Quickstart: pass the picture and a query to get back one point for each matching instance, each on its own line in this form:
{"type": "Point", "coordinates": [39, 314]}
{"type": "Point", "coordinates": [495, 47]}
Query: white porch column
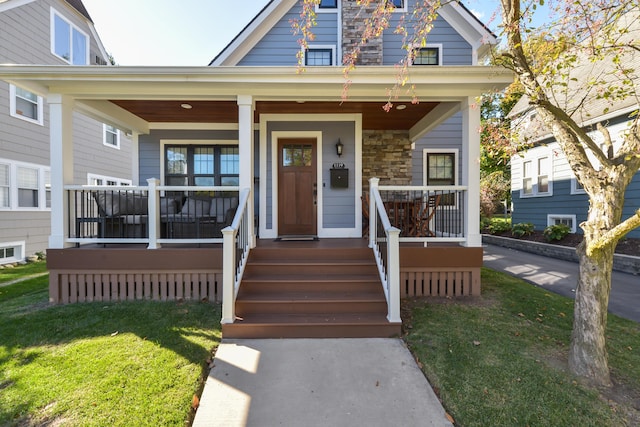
{"type": "Point", "coordinates": [61, 157]}
{"type": "Point", "coordinates": [135, 158]}
{"type": "Point", "coordinates": [471, 170]}
{"type": "Point", "coordinates": [153, 223]}
{"type": "Point", "coordinates": [245, 136]}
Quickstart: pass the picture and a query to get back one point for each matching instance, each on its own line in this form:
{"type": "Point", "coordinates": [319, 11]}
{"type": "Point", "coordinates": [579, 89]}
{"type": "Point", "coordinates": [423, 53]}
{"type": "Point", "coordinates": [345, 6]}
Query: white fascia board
{"type": "Point", "coordinates": [469, 28]}
{"type": "Point", "coordinates": [110, 113]}
{"type": "Point", "coordinates": [11, 4]}
{"type": "Point", "coordinates": [253, 33]}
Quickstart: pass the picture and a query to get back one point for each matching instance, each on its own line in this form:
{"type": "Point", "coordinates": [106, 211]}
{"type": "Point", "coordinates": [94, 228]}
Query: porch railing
{"type": "Point", "coordinates": [384, 240]}
{"type": "Point", "coordinates": [426, 213]}
{"type": "Point", "coordinates": [236, 247]}
{"type": "Point", "coordinates": [153, 214]}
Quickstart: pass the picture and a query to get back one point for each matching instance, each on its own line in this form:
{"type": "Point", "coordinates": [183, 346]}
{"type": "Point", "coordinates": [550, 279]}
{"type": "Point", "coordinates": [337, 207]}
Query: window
{"type": "Point", "coordinates": [568, 220]}
{"type": "Point", "coordinates": [440, 170]}
{"type": "Point", "coordinates": [27, 187]}
{"type": "Point", "coordinates": [328, 4]}
{"type": "Point", "coordinates": [576, 187]}
{"type": "Point", "coordinates": [398, 4]}
{"type": "Point", "coordinates": [5, 186]}
{"type": "Point", "coordinates": [11, 252]}
{"type": "Point", "coordinates": [206, 165]}
{"type": "Point", "coordinates": [24, 186]}
{"type": "Point", "coordinates": [94, 179]}
{"type": "Point", "coordinates": [111, 136]}
{"type": "Point", "coordinates": [25, 105]}
{"type": "Point", "coordinates": [318, 57]}
{"type": "Point", "coordinates": [67, 41]}
{"type": "Point", "coordinates": [427, 56]}
{"type": "Point", "coordinates": [536, 177]}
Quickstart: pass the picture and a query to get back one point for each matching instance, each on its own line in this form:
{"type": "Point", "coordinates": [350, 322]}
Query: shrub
{"type": "Point", "coordinates": [556, 232]}
{"type": "Point", "coordinates": [522, 229]}
{"type": "Point", "coordinates": [497, 226]}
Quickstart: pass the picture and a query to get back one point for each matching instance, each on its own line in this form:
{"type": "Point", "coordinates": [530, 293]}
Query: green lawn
{"type": "Point", "coordinates": [501, 359]}
{"type": "Point", "coordinates": [101, 364]}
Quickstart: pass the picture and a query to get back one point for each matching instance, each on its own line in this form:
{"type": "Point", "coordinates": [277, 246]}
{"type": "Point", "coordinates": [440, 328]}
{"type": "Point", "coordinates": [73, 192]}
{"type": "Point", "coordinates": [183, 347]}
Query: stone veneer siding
{"type": "Point", "coordinates": [386, 155]}
{"type": "Point", "coordinates": [352, 23]}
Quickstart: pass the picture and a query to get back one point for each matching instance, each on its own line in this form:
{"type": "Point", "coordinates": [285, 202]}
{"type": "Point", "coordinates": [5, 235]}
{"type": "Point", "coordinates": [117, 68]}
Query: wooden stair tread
{"type": "Point", "coordinates": [311, 298]}
{"type": "Point", "coordinates": [315, 319]}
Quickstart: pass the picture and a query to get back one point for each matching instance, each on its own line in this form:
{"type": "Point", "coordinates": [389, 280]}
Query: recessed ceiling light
{"type": "Point", "coordinates": [401, 107]}
{"type": "Point", "coordinates": [186, 106]}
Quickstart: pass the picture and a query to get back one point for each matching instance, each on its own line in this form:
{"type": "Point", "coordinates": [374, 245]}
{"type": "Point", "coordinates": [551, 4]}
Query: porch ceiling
{"type": "Point", "coordinates": [373, 115]}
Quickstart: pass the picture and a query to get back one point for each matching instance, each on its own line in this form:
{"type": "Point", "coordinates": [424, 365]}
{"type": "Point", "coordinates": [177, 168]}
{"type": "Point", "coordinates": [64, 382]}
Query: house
{"type": "Point", "coordinates": [544, 189]}
{"type": "Point", "coordinates": [304, 174]}
{"type": "Point", "coordinates": [53, 32]}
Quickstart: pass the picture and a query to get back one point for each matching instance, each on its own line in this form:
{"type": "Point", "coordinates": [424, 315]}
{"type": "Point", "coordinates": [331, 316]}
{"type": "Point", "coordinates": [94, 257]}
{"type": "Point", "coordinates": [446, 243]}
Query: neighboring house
{"type": "Point", "coordinates": [544, 189]}
{"type": "Point", "coordinates": [250, 149]}
{"type": "Point", "coordinates": [51, 32]}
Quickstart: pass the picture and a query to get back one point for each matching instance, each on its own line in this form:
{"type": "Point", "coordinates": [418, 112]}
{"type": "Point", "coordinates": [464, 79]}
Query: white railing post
{"type": "Point", "coordinates": [153, 219]}
{"type": "Point", "coordinates": [393, 275]}
{"type": "Point", "coordinates": [373, 183]}
{"type": "Point", "coordinates": [228, 276]}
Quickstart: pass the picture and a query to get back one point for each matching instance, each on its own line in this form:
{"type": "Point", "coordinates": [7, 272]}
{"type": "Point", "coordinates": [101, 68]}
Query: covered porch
{"type": "Point", "coordinates": [266, 115]}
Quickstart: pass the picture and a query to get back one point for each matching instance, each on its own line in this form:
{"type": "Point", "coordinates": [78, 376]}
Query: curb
{"type": "Point", "coordinates": [623, 263]}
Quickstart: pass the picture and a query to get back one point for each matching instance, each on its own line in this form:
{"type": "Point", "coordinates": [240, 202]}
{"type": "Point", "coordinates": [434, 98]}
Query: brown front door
{"type": "Point", "coordinates": [297, 187]}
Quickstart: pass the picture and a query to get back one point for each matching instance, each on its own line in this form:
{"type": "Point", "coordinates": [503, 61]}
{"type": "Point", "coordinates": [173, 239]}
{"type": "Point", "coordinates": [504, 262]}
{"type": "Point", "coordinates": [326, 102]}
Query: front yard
{"type": "Point", "coordinates": [101, 364]}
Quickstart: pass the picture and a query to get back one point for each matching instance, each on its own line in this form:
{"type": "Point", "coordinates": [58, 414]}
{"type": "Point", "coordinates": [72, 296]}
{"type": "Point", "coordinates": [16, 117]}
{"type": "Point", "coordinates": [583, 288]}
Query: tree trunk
{"type": "Point", "coordinates": [588, 354]}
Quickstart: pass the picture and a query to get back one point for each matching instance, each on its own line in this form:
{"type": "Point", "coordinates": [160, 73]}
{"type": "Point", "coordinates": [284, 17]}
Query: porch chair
{"type": "Point", "coordinates": [425, 215]}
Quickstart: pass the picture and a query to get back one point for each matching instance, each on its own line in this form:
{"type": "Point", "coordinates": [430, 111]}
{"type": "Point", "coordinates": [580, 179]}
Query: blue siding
{"type": "Point", "coordinates": [455, 49]}
{"type": "Point", "coordinates": [279, 46]}
{"type": "Point", "coordinates": [447, 135]}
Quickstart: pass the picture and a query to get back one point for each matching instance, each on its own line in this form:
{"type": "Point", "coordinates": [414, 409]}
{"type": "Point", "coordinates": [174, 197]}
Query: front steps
{"type": "Point", "coordinates": [305, 290]}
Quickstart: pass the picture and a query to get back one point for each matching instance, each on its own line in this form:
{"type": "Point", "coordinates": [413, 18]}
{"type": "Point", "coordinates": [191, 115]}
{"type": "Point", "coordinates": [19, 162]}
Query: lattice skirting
{"type": "Point", "coordinates": [451, 282]}
{"type": "Point", "coordinates": [86, 286]}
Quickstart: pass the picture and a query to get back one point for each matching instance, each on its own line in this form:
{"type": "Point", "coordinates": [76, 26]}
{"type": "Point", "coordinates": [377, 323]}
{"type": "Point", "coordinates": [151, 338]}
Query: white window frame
{"type": "Point", "coordinates": [403, 8]}
{"type": "Point", "coordinates": [13, 111]}
{"type": "Point", "coordinates": [551, 220]}
{"type": "Point", "coordinates": [43, 171]}
{"type": "Point", "coordinates": [72, 27]}
{"type": "Point", "coordinates": [535, 176]}
{"type": "Point", "coordinates": [456, 167]}
{"type": "Point", "coordinates": [430, 46]}
{"type": "Point", "coordinates": [18, 252]}
{"type": "Point", "coordinates": [104, 180]}
{"type": "Point", "coordinates": [107, 131]}
{"type": "Point", "coordinates": [320, 47]}
{"type": "Point", "coordinates": [7, 186]}
{"type": "Point", "coordinates": [574, 187]}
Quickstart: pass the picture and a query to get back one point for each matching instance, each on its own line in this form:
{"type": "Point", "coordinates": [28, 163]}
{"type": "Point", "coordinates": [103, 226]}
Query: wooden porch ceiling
{"type": "Point", "coordinates": [373, 116]}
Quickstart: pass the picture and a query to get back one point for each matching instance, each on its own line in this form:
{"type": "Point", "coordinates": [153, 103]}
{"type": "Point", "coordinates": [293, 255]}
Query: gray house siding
{"type": "Point", "coordinates": [25, 38]}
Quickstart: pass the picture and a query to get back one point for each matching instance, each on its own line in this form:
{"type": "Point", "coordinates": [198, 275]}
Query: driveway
{"type": "Point", "coordinates": [562, 276]}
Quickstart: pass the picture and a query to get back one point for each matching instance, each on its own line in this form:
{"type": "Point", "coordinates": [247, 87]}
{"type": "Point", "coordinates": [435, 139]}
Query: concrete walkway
{"type": "Point", "coordinates": [317, 382]}
{"type": "Point", "coordinates": [562, 277]}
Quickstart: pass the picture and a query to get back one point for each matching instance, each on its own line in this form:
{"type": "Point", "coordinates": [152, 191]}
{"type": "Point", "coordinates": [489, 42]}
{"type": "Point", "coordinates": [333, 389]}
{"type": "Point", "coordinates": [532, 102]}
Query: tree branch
{"type": "Point", "coordinates": [615, 234]}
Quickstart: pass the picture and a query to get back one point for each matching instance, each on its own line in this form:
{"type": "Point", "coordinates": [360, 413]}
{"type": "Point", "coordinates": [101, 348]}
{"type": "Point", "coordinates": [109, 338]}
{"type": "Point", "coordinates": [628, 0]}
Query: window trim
{"type": "Point", "coordinates": [328, 9]}
{"type": "Point", "coordinates": [535, 176]}
{"type": "Point", "coordinates": [552, 217]}
{"type": "Point", "coordinates": [105, 130]}
{"type": "Point", "coordinates": [202, 142]}
{"type": "Point", "coordinates": [574, 187]}
{"type": "Point", "coordinates": [18, 252]}
{"type": "Point", "coordinates": [91, 177]}
{"type": "Point", "coordinates": [13, 186]}
{"type": "Point", "coordinates": [402, 8]}
{"type": "Point", "coordinates": [430, 46]}
{"type": "Point", "coordinates": [72, 26]}
{"type": "Point", "coordinates": [456, 167]}
{"type": "Point", "coordinates": [13, 107]}
{"type": "Point", "coordinates": [320, 47]}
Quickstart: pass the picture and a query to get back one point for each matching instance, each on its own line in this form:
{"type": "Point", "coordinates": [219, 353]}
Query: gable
{"type": "Point", "coordinates": [267, 39]}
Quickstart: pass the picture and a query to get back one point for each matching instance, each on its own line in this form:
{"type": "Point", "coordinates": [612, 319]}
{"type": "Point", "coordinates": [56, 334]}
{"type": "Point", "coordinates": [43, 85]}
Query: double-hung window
{"type": "Point", "coordinates": [68, 42]}
{"type": "Point", "coordinates": [28, 187]}
{"type": "Point", "coordinates": [440, 170]}
{"type": "Point", "coordinates": [24, 186]}
{"type": "Point", "coordinates": [5, 185]}
{"type": "Point", "coordinates": [25, 105]}
{"type": "Point", "coordinates": [111, 136]}
{"type": "Point", "coordinates": [536, 177]}
{"type": "Point", "coordinates": [202, 165]}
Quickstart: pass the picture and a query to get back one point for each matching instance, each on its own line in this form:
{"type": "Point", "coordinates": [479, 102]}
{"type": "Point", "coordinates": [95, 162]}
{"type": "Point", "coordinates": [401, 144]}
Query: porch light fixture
{"type": "Point", "coordinates": [186, 106]}
{"type": "Point", "coordinates": [401, 107]}
{"type": "Point", "coordinates": [339, 147]}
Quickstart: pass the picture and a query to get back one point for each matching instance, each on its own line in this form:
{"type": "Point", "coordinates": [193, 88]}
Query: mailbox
{"type": "Point", "coordinates": [339, 178]}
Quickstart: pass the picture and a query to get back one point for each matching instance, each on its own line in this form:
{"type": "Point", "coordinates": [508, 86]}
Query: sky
{"type": "Point", "coordinates": [188, 32]}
